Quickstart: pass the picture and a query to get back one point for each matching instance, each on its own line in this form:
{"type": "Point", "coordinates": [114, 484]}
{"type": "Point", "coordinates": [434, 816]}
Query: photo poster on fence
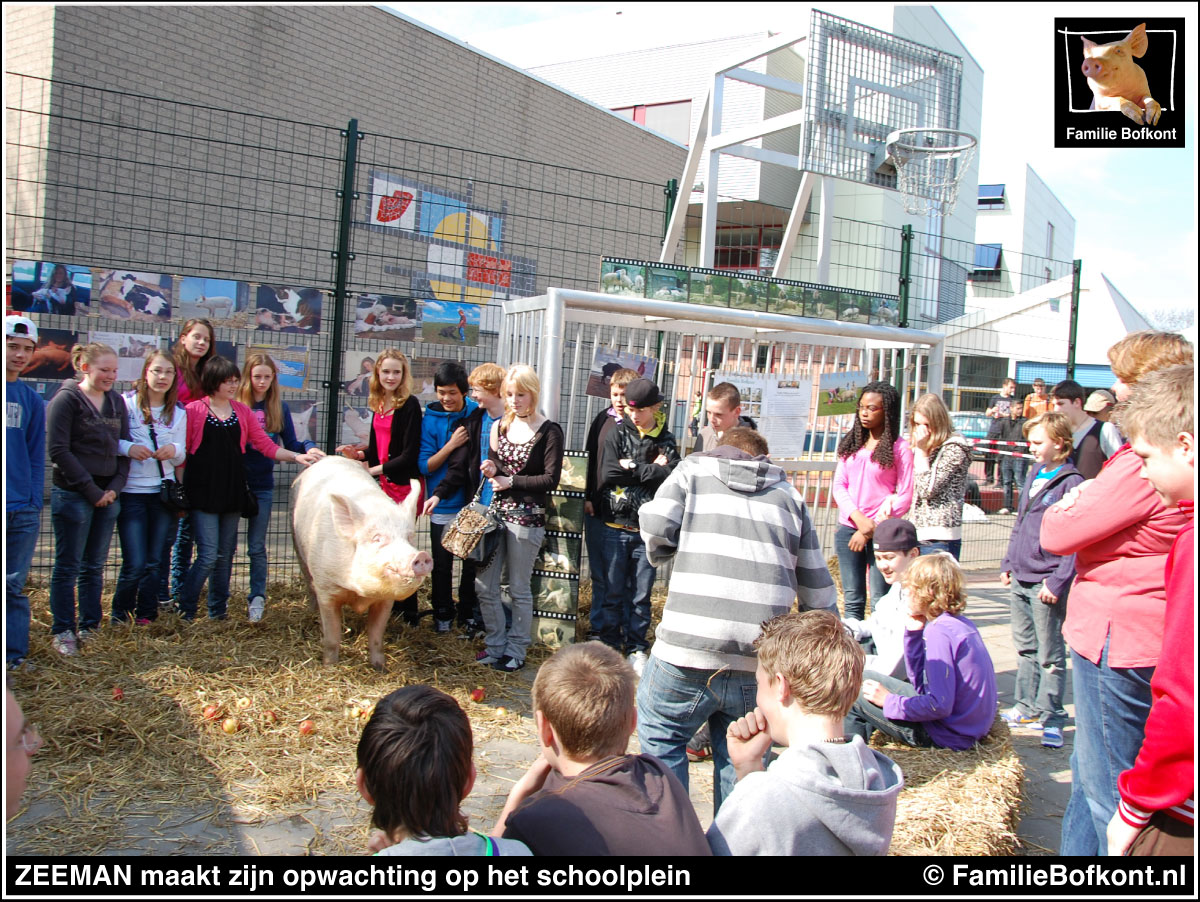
{"type": "Point", "coordinates": [223, 302]}
{"type": "Point", "coordinates": [48, 287]}
{"type": "Point", "coordinates": [384, 317]}
{"type": "Point", "coordinates": [608, 360]}
{"type": "Point", "coordinates": [138, 296]}
{"type": "Point", "coordinates": [450, 323]}
{"type": "Point", "coordinates": [51, 358]}
{"type": "Point", "coordinates": [287, 308]}
{"type": "Point", "coordinates": [291, 364]}
{"type": "Point", "coordinates": [131, 351]}
{"type": "Point", "coordinates": [780, 406]}
{"type": "Point", "coordinates": [556, 569]}
{"type": "Point", "coordinates": [838, 393]}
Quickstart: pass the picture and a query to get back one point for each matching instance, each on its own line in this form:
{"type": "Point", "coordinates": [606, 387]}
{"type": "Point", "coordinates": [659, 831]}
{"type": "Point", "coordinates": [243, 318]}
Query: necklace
{"type": "Point", "coordinates": [839, 739]}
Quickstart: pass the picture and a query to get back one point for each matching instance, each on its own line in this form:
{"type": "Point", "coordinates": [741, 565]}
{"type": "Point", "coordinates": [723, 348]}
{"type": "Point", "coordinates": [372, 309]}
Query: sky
{"type": "Point", "coordinates": [1135, 210]}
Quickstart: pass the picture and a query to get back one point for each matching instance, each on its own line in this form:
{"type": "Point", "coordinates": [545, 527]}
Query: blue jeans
{"type": "Point", "coordinates": [180, 557]}
{"type": "Point", "coordinates": [82, 533]}
{"type": "Point", "coordinates": [20, 541]}
{"type": "Point", "coordinates": [630, 579]}
{"type": "Point", "coordinates": [216, 539]}
{"type": "Point", "coordinates": [933, 546]}
{"type": "Point", "coordinates": [672, 704]}
{"type": "Point", "coordinates": [1041, 653]}
{"type": "Point", "coordinates": [256, 542]}
{"type": "Point", "coordinates": [866, 717]}
{"type": "Point", "coordinates": [1012, 476]}
{"type": "Point", "coordinates": [143, 526]}
{"type": "Point", "coordinates": [593, 537]}
{"type": "Point", "coordinates": [853, 567]}
{"type": "Point", "coordinates": [1111, 707]}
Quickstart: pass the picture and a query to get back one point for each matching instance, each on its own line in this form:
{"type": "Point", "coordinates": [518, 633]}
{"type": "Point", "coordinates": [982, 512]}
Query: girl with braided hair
{"type": "Point", "coordinates": [873, 481]}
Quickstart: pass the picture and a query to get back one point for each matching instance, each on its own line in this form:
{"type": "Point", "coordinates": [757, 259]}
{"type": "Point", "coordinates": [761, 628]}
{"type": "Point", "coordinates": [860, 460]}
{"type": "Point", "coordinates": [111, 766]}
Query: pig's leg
{"type": "Point", "coordinates": [1153, 110]}
{"type": "Point", "coordinates": [308, 580]}
{"type": "Point", "coordinates": [377, 620]}
{"type": "Point", "coordinates": [331, 629]}
{"type": "Point", "coordinates": [1132, 110]}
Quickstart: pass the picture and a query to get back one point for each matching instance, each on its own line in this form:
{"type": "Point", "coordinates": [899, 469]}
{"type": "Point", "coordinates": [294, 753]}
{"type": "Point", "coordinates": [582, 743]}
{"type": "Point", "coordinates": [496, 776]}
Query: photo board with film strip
{"type": "Point", "coordinates": [556, 569]}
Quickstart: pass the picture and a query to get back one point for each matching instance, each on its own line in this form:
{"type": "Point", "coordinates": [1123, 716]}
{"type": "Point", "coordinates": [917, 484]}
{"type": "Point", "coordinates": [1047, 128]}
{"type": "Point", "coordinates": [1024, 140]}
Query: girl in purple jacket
{"type": "Point", "coordinates": [951, 701]}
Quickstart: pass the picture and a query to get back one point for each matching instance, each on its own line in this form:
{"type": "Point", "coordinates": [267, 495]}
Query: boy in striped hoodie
{"type": "Point", "coordinates": [745, 550]}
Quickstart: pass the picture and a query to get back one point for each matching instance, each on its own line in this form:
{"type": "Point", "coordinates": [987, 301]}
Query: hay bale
{"type": "Point", "coordinates": [957, 803]}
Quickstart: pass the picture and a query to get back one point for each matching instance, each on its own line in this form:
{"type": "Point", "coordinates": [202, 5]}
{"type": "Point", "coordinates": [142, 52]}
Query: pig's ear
{"type": "Point", "coordinates": [346, 516]}
{"type": "Point", "coordinates": [408, 507]}
{"type": "Point", "coordinates": [1137, 40]}
{"type": "Point", "coordinates": [1088, 46]}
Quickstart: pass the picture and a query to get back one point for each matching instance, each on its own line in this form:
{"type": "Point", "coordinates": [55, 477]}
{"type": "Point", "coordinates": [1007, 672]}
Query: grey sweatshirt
{"type": "Point", "coordinates": [469, 844]}
{"type": "Point", "coordinates": [818, 799]}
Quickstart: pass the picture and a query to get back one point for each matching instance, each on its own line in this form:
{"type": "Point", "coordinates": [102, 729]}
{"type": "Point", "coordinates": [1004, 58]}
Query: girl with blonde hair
{"type": "Point", "coordinates": [941, 459]}
{"type": "Point", "coordinates": [393, 448]}
{"type": "Point", "coordinates": [260, 392]}
{"type": "Point", "coordinates": [523, 466]}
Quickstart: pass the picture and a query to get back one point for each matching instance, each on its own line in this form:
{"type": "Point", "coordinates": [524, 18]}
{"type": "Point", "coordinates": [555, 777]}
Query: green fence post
{"type": "Point", "coordinates": [672, 192]}
{"type": "Point", "coordinates": [1076, 268]}
{"type": "Point", "coordinates": [343, 257]}
{"type": "Point", "coordinates": [906, 240]}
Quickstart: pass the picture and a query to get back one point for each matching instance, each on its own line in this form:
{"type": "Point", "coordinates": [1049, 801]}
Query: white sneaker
{"type": "Point", "coordinates": [64, 643]}
{"type": "Point", "coordinates": [257, 606]}
{"type": "Point", "coordinates": [638, 661]}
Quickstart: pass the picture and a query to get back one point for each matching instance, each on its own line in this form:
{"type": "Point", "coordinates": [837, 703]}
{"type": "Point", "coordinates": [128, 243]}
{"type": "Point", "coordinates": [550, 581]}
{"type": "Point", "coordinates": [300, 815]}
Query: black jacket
{"type": "Point", "coordinates": [405, 445]}
{"type": "Point", "coordinates": [622, 491]}
{"type": "Point", "coordinates": [462, 469]}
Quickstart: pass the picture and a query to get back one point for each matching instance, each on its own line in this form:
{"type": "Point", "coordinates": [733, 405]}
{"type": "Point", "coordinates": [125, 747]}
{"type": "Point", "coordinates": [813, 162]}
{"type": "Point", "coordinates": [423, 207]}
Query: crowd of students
{"type": "Point", "coordinates": [730, 652]}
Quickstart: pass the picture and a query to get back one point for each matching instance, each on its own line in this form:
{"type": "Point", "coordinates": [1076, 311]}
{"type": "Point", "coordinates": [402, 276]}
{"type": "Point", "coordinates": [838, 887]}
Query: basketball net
{"type": "Point", "coordinates": [930, 164]}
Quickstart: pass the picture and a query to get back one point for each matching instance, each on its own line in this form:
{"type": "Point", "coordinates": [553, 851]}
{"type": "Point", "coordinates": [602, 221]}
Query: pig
{"type": "Point", "coordinates": [1117, 82]}
{"type": "Point", "coordinates": [356, 549]}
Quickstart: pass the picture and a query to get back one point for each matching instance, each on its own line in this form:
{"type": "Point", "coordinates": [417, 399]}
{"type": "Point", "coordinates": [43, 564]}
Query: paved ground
{"type": "Point", "coordinates": [337, 823]}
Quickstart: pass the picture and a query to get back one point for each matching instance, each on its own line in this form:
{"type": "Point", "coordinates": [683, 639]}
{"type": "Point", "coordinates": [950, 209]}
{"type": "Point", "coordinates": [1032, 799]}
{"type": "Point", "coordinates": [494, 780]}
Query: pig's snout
{"type": "Point", "coordinates": [419, 565]}
{"type": "Point", "coordinates": [1092, 68]}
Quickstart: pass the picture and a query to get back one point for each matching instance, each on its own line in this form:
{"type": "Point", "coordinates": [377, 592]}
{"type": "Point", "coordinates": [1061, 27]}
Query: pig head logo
{"type": "Point", "coordinates": [1118, 83]}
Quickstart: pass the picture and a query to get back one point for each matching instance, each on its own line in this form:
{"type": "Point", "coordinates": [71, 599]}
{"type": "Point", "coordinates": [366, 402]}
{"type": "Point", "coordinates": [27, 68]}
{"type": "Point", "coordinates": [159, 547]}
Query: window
{"type": "Point", "coordinates": [752, 249]}
{"type": "Point", "coordinates": [988, 259]}
{"type": "Point", "coordinates": [991, 197]}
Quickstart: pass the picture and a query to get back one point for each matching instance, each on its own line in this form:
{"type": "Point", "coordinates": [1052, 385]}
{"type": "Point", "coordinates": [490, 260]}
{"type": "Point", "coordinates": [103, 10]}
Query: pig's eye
{"type": "Point", "coordinates": [379, 538]}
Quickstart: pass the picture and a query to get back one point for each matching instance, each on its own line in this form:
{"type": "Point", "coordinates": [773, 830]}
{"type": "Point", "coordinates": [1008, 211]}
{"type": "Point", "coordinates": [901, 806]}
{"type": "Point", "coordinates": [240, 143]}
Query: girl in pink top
{"type": "Point", "coordinates": [873, 481]}
{"type": "Point", "coordinates": [196, 345]}
{"type": "Point", "coordinates": [218, 429]}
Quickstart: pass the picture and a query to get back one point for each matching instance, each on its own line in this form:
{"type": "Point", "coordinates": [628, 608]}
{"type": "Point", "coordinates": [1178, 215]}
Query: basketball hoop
{"type": "Point", "coordinates": [930, 163]}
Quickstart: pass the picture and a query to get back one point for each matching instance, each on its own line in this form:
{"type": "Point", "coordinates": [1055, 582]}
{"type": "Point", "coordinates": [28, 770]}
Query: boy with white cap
{"type": "Point", "coordinates": [25, 472]}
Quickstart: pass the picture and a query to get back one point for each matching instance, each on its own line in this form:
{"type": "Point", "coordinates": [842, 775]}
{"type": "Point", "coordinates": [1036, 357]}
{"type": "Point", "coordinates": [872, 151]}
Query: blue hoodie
{"type": "Point", "coordinates": [437, 426]}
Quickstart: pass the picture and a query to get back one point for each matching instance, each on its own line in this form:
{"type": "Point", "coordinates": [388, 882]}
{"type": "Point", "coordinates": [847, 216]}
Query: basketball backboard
{"type": "Point", "coordinates": [862, 85]}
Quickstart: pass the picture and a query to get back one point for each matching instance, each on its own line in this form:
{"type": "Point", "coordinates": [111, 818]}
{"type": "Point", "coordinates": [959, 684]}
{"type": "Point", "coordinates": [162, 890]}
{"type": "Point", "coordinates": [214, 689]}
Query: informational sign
{"type": "Point", "coordinates": [608, 360]}
{"type": "Point", "coordinates": [779, 404]}
{"type": "Point", "coordinates": [839, 393]}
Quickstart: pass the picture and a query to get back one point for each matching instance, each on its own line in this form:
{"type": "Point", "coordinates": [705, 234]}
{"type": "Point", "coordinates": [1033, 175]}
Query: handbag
{"type": "Point", "coordinates": [463, 538]}
{"type": "Point", "coordinates": [249, 503]}
{"type": "Point", "coordinates": [170, 492]}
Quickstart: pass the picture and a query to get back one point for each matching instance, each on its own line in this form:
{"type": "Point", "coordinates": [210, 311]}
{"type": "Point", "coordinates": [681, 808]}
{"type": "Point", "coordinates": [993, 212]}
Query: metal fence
{"type": "Point", "coordinates": [108, 180]}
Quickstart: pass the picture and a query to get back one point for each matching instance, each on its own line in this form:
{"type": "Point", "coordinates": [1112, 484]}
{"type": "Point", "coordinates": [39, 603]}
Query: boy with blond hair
{"type": "Point", "coordinates": [1156, 814]}
{"type": "Point", "coordinates": [824, 795]}
{"type": "Point", "coordinates": [584, 796]}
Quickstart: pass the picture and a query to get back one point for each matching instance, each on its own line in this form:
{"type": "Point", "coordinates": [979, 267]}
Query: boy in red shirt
{"type": "Point", "coordinates": [1157, 812]}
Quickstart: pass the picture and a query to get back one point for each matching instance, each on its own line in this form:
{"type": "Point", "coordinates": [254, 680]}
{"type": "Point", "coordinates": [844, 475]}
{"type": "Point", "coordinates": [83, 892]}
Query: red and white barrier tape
{"type": "Point", "coordinates": [988, 441]}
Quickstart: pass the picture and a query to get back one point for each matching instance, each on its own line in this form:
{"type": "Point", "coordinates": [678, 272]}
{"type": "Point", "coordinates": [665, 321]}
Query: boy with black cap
{"type": "Point", "coordinates": [882, 634]}
{"type": "Point", "coordinates": [637, 456]}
